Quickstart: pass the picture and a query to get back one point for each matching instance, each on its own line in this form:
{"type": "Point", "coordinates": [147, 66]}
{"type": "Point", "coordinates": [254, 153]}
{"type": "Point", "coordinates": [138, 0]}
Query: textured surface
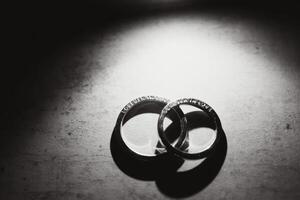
{"type": "Point", "coordinates": [246, 68]}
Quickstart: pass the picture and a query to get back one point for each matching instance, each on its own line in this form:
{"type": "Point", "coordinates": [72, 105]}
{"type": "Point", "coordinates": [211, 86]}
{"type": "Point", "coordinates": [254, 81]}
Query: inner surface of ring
{"type": "Point", "coordinates": [139, 131]}
{"type": "Point", "coordinates": [201, 130]}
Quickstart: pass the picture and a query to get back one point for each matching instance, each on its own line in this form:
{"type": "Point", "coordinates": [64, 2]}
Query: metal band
{"type": "Point", "coordinates": [201, 105]}
{"type": "Point", "coordinates": [132, 109]}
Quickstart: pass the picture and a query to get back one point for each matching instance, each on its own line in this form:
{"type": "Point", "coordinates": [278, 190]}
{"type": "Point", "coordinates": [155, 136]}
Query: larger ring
{"type": "Point", "coordinates": [201, 105]}
{"type": "Point", "coordinates": [131, 110]}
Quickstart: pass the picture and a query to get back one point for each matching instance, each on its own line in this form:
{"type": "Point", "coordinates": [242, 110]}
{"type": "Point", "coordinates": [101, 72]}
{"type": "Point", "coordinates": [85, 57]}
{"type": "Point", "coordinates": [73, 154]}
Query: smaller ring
{"type": "Point", "coordinates": [131, 110]}
{"type": "Point", "coordinates": [201, 105]}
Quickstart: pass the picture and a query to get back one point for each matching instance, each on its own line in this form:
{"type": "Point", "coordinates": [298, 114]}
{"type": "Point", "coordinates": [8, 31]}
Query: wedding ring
{"type": "Point", "coordinates": [148, 104]}
{"type": "Point", "coordinates": [184, 153]}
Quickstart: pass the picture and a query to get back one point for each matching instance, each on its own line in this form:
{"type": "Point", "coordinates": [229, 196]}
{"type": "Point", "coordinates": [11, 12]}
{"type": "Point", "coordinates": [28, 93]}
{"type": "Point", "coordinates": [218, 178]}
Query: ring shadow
{"type": "Point", "coordinates": [163, 170]}
{"type": "Point", "coordinates": [183, 184]}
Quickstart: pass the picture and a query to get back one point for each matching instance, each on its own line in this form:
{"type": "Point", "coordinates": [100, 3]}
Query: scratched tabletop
{"type": "Point", "coordinates": [246, 68]}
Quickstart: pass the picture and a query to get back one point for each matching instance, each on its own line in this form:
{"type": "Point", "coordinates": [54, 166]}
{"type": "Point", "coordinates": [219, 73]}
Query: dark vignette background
{"type": "Point", "coordinates": [39, 34]}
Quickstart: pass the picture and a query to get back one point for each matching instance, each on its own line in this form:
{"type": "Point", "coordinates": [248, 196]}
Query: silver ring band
{"type": "Point", "coordinates": [132, 109]}
{"type": "Point", "coordinates": [201, 105]}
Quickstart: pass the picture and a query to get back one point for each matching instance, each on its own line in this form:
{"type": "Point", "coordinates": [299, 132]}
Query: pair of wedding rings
{"type": "Point", "coordinates": [174, 143]}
